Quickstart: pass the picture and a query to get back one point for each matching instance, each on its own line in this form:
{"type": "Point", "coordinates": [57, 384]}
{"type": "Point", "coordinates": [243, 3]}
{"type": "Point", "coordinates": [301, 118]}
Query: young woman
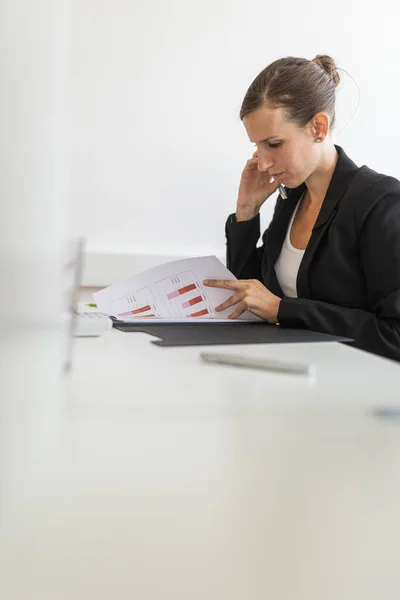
{"type": "Point", "coordinates": [330, 259]}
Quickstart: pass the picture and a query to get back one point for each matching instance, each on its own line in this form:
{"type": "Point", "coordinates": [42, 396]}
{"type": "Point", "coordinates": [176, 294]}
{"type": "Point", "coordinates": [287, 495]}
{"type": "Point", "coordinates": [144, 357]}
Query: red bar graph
{"type": "Point", "coordinates": [200, 313]}
{"type": "Point", "coordinates": [192, 301]}
{"type": "Point", "coordinates": [181, 291]}
{"type": "Point", "coordinates": [136, 312]}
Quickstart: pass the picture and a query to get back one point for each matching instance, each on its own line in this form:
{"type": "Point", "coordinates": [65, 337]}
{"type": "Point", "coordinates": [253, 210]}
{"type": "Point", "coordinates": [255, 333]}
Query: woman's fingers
{"type": "Point", "coordinates": [249, 295]}
{"type": "Point", "coordinates": [227, 284]}
{"type": "Point", "coordinates": [238, 311]}
{"type": "Point", "coordinates": [231, 301]}
{"type": "Point", "coordinates": [251, 163]}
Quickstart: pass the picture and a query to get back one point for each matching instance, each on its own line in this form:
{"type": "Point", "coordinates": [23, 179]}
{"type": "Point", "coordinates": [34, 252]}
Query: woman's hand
{"type": "Point", "coordinates": [254, 189]}
{"type": "Point", "coordinates": [250, 295]}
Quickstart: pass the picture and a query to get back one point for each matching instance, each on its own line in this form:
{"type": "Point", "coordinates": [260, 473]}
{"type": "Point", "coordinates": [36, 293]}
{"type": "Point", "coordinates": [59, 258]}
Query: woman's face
{"type": "Point", "coordinates": [284, 150]}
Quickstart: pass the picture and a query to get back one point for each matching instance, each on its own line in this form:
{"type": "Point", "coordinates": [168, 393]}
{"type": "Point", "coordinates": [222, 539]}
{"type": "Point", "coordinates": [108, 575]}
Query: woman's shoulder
{"type": "Point", "coordinates": [375, 182]}
{"type": "Point", "coordinates": [374, 193]}
{"type": "Point", "coordinates": [363, 183]}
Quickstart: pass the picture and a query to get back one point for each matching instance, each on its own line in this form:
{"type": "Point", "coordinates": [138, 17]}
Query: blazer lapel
{"type": "Point", "coordinates": [344, 172]}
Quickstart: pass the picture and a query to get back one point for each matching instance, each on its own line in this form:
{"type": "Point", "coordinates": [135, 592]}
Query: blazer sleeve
{"type": "Point", "coordinates": [377, 329]}
{"type": "Point", "coordinates": [243, 257]}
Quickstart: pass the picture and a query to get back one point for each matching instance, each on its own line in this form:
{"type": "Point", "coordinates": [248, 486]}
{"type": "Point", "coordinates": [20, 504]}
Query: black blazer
{"type": "Point", "coordinates": [348, 282]}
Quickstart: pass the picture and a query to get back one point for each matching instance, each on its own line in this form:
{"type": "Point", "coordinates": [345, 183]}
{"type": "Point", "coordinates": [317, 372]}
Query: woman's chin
{"type": "Point", "coordinates": [290, 182]}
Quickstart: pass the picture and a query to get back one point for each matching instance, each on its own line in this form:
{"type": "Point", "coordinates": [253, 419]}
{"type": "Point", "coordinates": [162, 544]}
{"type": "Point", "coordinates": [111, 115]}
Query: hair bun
{"type": "Point", "coordinates": [327, 63]}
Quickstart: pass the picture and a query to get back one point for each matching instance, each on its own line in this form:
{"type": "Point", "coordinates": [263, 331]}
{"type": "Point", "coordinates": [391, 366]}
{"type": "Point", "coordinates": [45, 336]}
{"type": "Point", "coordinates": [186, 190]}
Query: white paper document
{"type": "Point", "coordinates": [172, 292]}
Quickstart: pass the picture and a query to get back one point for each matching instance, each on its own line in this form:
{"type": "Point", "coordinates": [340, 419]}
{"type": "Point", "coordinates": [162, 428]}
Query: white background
{"type": "Point", "coordinates": [155, 89]}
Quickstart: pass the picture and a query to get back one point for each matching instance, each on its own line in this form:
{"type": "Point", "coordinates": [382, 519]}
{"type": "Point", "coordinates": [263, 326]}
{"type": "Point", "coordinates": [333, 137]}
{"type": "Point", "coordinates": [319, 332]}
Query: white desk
{"type": "Point", "coordinates": [164, 478]}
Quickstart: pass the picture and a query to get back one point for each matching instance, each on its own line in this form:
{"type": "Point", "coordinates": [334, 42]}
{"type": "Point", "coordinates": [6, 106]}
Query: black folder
{"type": "Point", "coordinates": [213, 334]}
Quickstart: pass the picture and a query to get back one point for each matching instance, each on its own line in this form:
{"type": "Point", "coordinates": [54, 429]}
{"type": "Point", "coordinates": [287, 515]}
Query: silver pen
{"type": "Point", "coordinates": [282, 190]}
{"type": "Point", "coordinates": [265, 364]}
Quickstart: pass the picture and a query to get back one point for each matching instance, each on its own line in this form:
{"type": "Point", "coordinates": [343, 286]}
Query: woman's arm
{"type": "Point", "coordinates": [243, 258]}
{"type": "Point", "coordinates": [372, 333]}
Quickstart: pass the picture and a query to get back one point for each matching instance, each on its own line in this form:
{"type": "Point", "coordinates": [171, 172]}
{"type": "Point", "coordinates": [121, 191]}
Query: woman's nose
{"type": "Point", "coordinates": [264, 163]}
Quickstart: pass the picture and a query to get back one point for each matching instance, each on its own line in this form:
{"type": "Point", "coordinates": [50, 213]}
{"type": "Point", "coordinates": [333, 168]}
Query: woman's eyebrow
{"type": "Point", "coordinates": [266, 139]}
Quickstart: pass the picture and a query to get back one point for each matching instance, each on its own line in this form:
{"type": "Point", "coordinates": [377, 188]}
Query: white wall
{"type": "Point", "coordinates": [155, 93]}
{"type": "Point", "coordinates": [32, 158]}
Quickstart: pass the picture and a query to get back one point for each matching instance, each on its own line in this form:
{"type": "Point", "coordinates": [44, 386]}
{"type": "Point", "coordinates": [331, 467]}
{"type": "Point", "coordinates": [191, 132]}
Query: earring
{"type": "Point", "coordinates": [319, 140]}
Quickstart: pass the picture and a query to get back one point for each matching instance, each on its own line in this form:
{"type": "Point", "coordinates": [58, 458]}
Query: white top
{"type": "Point", "coordinates": [288, 263]}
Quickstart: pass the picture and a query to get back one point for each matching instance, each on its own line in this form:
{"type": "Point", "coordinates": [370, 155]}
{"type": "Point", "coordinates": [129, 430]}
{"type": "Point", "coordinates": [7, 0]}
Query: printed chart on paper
{"type": "Point", "coordinates": [140, 304]}
{"type": "Point", "coordinates": [184, 296]}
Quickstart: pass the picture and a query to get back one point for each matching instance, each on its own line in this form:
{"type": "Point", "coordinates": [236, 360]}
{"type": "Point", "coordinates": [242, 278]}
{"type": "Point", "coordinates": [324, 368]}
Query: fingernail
{"type": "Point", "coordinates": [205, 282]}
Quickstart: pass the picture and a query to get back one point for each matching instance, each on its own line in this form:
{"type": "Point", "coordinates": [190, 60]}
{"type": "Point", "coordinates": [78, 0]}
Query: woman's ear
{"type": "Point", "coordinates": [320, 126]}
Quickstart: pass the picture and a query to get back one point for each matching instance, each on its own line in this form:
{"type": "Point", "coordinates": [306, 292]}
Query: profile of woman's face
{"type": "Point", "coordinates": [284, 150]}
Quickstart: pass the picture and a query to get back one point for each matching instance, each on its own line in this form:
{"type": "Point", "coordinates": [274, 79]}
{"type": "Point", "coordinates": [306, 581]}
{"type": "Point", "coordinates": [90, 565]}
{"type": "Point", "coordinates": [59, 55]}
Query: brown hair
{"type": "Point", "coordinates": [302, 87]}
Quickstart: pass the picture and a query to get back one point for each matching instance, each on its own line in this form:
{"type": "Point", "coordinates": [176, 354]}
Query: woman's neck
{"type": "Point", "coordinates": [318, 183]}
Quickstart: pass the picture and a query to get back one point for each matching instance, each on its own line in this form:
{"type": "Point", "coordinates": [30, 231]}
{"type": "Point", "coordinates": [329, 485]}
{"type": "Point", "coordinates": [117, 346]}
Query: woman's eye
{"type": "Point", "coordinates": [274, 145]}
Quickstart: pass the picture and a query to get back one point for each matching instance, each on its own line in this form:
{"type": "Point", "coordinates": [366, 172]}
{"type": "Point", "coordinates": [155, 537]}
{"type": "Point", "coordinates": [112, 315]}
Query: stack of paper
{"type": "Point", "coordinates": [173, 292]}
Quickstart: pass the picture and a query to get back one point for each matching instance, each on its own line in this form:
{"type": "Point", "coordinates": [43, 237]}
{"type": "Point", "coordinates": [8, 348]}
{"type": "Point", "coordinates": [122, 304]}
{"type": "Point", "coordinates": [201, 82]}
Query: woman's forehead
{"type": "Point", "coordinates": [266, 122]}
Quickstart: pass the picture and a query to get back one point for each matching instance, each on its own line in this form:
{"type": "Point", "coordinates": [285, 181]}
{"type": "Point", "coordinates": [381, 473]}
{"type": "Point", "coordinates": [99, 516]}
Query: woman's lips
{"type": "Point", "coordinates": [273, 177]}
